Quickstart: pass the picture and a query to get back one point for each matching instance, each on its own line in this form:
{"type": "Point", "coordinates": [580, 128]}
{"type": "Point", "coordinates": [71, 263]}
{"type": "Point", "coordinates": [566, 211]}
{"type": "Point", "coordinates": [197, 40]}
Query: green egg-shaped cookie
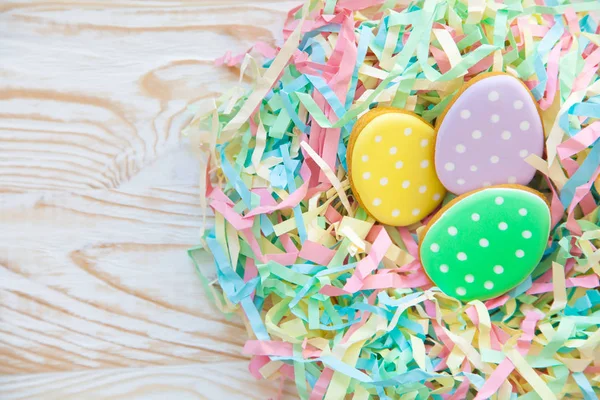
{"type": "Point", "coordinates": [485, 243]}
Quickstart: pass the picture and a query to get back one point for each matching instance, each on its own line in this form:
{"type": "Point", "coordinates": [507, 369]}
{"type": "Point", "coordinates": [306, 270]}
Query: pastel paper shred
{"type": "Point", "coordinates": [340, 304]}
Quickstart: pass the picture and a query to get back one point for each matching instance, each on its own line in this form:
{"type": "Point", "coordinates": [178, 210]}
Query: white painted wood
{"type": "Point", "coordinates": [228, 380]}
{"type": "Point", "coordinates": [99, 197]}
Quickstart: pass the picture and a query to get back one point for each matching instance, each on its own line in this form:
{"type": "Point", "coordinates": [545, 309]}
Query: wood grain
{"type": "Point", "coordinates": [99, 198]}
{"type": "Point", "coordinates": [194, 381]}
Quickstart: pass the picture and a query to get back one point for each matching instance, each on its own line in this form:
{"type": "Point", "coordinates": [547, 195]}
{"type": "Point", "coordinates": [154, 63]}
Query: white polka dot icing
{"type": "Point", "coordinates": [481, 259]}
{"type": "Point", "coordinates": [502, 128]}
{"type": "Point", "coordinates": [391, 151]}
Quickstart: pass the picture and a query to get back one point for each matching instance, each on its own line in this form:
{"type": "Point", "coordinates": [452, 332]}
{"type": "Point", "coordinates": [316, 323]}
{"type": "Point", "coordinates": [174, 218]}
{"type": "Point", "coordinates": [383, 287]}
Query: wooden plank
{"type": "Point", "coordinates": [229, 380]}
{"type": "Point", "coordinates": [110, 266]}
{"type": "Point", "coordinates": [99, 198]}
{"type": "Point", "coordinates": [93, 93]}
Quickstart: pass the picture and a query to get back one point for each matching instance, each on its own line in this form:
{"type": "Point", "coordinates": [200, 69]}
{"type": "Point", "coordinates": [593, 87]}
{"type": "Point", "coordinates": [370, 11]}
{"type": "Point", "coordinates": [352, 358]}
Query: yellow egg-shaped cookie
{"type": "Point", "coordinates": [391, 166]}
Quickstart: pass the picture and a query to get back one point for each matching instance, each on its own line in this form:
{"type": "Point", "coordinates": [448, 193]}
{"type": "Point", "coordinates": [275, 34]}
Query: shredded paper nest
{"type": "Point", "coordinates": [339, 303]}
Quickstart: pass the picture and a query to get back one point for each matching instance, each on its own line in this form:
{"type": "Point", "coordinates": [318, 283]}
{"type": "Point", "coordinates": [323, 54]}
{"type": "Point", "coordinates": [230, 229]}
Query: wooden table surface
{"type": "Point", "coordinates": [99, 199]}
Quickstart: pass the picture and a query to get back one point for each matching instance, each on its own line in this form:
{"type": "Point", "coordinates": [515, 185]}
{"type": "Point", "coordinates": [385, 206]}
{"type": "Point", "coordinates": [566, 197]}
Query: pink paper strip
{"type": "Point", "coordinates": [461, 392]}
{"type": "Point", "coordinates": [581, 141]}
{"type": "Point", "coordinates": [363, 320]}
{"type": "Point", "coordinates": [332, 215]}
{"type": "Point", "coordinates": [395, 281]}
{"type": "Point", "coordinates": [265, 197]}
{"type": "Point", "coordinates": [235, 219]}
{"type": "Point", "coordinates": [504, 369]}
{"type": "Point", "coordinates": [291, 201]}
{"type": "Point", "coordinates": [287, 371]}
{"type": "Point", "coordinates": [589, 71]}
{"type": "Point", "coordinates": [256, 363]}
{"type": "Point", "coordinates": [497, 302]}
{"type": "Point", "coordinates": [369, 263]}
{"type": "Point", "coordinates": [409, 242]}
{"type": "Point", "coordinates": [356, 5]}
{"type": "Point", "coordinates": [586, 281]}
{"type": "Point", "coordinates": [546, 277]}
{"type": "Point", "coordinates": [320, 388]}
{"type": "Point", "coordinates": [556, 207]}
{"type": "Point", "coordinates": [552, 72]}
{"type": "Point", "coordinates": [498, 377]}
{"type": "Point", "coordinates": [277, 349]}
{"type": "Point", "coordinates": [572, 21]}
{"type": "Point", "coordinates": [441, 59]}
{"type": "Point", "coordinates": [528, 325]}
{"type": "Point", "coordinates": [250, 272]}
{"type": "Point", "coordinates": [218, 195]}
{"type": "Point", "coordinates": [249, 236]}
{"type": "Point", "coordinates": [316, 253]}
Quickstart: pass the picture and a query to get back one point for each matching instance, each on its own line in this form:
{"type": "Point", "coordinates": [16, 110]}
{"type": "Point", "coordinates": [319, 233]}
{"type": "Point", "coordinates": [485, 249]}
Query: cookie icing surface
{"type": "Point", "coordinates": [391, 168]}
{"type": "Point", "coordinates": [486, 134]}
{"type": "Point", "coordinates": [486, 243]}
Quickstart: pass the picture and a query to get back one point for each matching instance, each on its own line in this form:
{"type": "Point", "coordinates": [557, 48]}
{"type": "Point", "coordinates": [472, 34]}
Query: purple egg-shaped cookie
{"type": "Point", "coordinates": [486, 134]}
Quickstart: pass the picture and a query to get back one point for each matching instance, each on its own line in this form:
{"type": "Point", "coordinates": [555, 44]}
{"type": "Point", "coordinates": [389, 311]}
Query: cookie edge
{"type": "Point", "coordinates": [480, 77]}
{"type": "Point", "coordinates": [440, 119]}
{"type": "Point", "coordinates": [362, 122]}
{"type": "Point", "coordinates": [456, 200]}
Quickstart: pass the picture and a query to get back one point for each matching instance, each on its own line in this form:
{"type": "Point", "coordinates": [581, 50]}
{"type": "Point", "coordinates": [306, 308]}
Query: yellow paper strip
{"type": "Point", "coordinates": [418, 351]}
{"type": "Point", "coordinates": [560, 288]}
{"type": "Point", "coordinates": [360, 393]}
{"type": "Point", "coordinates": [448, 45]}
{"type": "Point", "coordinates": [290, 224]}
{"type": "Point", "coordinates": [333, 179]}
{"type": "Point", "coordinates": [361, 228]}
{"type": "Point", "coordinates": [529, 374]}
{"type": "Point", "coordinates": [473, 356]}
{"type": "Point", "coordinates": [266, 81]}
{"type": "Point", "coordinates": [476, 10]}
